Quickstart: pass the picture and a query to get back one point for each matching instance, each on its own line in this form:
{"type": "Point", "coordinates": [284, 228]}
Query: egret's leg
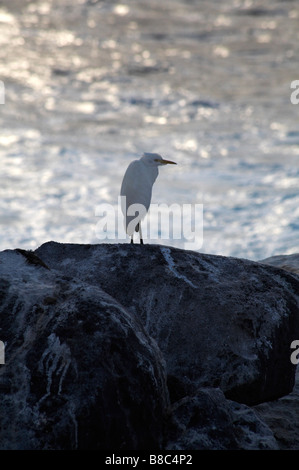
{"type": "Point", "coordinates": [132, 239]}
{"type": "Point", "coordinates": [140, 233]}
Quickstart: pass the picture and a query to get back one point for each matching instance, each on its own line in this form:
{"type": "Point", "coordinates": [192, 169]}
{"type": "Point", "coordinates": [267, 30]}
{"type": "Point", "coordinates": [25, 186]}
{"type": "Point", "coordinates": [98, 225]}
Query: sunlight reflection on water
{"type": "Point", "coordinates": [92, 85]}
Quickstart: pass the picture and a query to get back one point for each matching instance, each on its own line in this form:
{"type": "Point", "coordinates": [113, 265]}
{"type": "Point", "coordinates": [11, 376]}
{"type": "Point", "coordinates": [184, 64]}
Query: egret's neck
{"type": "Point", "coordinates": [152, 172]}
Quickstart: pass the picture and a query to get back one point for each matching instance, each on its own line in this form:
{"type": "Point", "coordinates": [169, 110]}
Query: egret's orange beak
{"type": "Point", "coordinates": [164, 162]}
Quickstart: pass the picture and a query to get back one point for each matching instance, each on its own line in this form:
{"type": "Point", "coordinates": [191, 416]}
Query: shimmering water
{"type": "Point", "coordinates": [91, 85]}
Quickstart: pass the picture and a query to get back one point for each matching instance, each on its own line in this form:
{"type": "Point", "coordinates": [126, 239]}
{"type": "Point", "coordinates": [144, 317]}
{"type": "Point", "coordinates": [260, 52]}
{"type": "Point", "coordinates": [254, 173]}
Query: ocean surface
{"type": "Point", "coordinates": [91, 85]}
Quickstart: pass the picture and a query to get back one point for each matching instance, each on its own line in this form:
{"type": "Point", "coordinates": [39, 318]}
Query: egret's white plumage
{"type": "Point", "coordinates": [137, 187]}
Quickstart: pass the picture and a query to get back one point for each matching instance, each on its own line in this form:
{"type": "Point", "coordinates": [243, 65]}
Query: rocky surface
{"type": "Point", "coordinates": [80, 370]}
{"type": "Point", "coordinates": [282, 415]}
{"type": "Point", "coordinates": [208, 421]}
{"type": "Point", "coordinates": [219, 322]}
{"type": "Point", "coordinates": [143, 347]}
{"type": "Point", "coordinates": [287, 262]}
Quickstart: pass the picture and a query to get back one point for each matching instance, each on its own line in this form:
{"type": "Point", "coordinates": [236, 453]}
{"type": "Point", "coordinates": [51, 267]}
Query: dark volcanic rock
{"type": "Point", "coordinates": [91, 330]}
{"type": "Point", "coordinates": [282, 417]}
{"type": "Point", "coordinates": [208, 421]}
{"type": "Point", "coordinates": [220, 322]}
{"type": "Point", "coordinates": [287, 262]}
{"type": "Point", "coordinates": [80, 371]}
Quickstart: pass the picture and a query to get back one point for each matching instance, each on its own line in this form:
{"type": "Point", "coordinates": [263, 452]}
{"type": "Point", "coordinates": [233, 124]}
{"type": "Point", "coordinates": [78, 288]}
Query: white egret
{"type": "Point", "coordinates": [136, 190]}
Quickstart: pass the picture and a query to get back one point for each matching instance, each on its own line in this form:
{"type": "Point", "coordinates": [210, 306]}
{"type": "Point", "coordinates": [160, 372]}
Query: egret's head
{"type": "Point", "coordinates": [154, 159]}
